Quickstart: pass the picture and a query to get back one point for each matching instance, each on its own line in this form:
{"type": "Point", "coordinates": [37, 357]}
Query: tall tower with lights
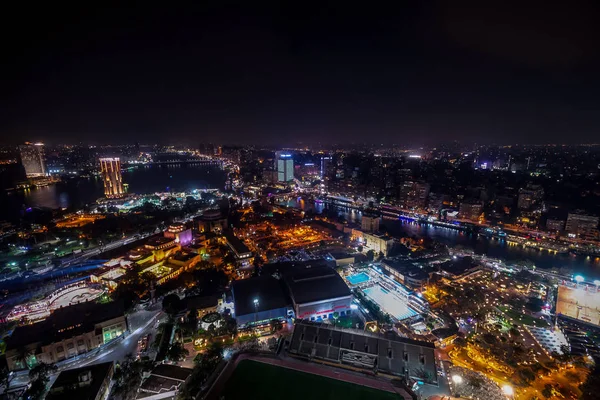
{"type": "Point", "coordinates": [284, 165]}
{"type": "Point", "coordinates": [110, 168]}
{"type": "Point", "coordinates": [32, 158]}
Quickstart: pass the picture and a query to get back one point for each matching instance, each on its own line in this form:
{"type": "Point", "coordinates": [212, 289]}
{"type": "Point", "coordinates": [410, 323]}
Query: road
{"type": "Point", "coordinates": [83, 256]}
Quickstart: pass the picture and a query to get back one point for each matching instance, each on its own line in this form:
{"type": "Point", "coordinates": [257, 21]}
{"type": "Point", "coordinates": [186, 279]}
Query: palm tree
{"type": "Point", "coordinates": [22, 357]}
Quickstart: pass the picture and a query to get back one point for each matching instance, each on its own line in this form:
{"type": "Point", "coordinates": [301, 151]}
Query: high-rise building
{"type": "Point", "coordinates": [582, 225]}
{"type": "Point", "coordinates": [32, 158]}
{"type": "Point", "coordinates": [325, 166]}
{"type": "Point", "coordinates": [284, 165]}
{"type": "Point", "coordinates": [370, 223]}
{"type": "Point", "coordinates": [530, 196]}
{"type": "Point", "coordinates": [111, 175]}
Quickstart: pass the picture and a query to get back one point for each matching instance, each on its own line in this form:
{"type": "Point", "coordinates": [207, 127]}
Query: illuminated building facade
{"type": "Point", "coordinates": [111, 175]}
{"type": "Point", "coordinates": [180, 233]}
{"type": "Point", "coordinates": [284, 165]}
{"type": "Point", "coordinates": [32, 158]}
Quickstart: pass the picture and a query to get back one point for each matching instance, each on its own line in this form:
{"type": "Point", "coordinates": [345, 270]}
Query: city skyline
{"type": "Point", "coordinates": [354, 200]}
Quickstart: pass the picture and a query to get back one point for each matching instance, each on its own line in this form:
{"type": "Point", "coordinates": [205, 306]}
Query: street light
{"type": "Point", "coordinates": [508, 390]}
{"type": "Point", "coordinates": [255, 310]}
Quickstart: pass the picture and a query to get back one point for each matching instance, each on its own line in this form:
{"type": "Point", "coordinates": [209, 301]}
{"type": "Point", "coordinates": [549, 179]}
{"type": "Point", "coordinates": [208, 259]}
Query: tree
{"type": "Point", "coordinates": [39, 377]}
{"type": "Point", "coordinates": [172, 305]}
{"type": "Point", "coordinates": [591, 387]}
{"type": "Point", "coordinates": [276, 325]}
{"type": "Point", "coordinates": [177, 352]}
{"type": "Point", "coordinates": [534, 304]}
{"type": "Point", "coordinates": [128, 377]}
{"type": "Point", "coordinates": [23, 357]}
{"type": "Point", "coordinates": [370, 255]}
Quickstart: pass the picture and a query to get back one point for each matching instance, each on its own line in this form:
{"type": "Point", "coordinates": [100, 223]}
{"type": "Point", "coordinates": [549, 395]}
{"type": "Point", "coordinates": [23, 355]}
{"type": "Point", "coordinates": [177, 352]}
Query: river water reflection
{"type": "Point", "coordinates": [492, 247]}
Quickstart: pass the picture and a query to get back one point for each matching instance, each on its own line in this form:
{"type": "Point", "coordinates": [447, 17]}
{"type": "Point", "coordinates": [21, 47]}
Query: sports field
{"type": "Point", "coordinates": [256, 380]}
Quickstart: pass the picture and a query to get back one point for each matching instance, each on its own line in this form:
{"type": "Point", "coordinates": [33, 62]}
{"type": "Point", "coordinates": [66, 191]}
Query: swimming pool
{"type": "Point", "coordinates": [358, 278]}
{"type": "Point", "coordinates": [389, 302]}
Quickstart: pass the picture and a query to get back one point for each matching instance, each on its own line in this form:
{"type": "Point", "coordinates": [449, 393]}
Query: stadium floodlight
{"type": "Point", "coordinates": [579, 279]}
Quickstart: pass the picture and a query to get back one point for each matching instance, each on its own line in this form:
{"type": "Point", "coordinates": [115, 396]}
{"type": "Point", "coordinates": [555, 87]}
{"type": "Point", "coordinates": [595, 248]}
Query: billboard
{"type": "Point", "coordinates": [579, 301]}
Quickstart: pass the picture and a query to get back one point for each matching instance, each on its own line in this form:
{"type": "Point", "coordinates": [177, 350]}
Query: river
{"type": "Point", "coordinates": [76, 192]}
{"type": "Point", "coordinates": [491, 247]}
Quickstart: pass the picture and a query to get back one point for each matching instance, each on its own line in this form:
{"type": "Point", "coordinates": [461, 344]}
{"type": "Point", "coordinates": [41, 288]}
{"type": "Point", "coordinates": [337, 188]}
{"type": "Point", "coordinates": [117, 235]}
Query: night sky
{"type": "Point", "coordinates": [280, 74]}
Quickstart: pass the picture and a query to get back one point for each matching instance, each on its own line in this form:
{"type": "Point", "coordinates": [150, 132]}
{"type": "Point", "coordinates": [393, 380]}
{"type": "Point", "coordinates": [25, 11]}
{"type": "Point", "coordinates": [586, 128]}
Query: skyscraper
{"type": "Point", "coordinates": [111, 175]}
{"type": "Point", "coordinates": [325, 165]}
{"type": "Point", "coordinates": [284, 165]}
{"type": "Point", "coordinates": [32, 158]}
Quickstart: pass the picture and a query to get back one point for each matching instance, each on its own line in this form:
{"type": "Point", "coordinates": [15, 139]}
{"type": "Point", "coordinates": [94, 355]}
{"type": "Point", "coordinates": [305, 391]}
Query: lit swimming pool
{"type": "Point", "coordinates": [358, 278]}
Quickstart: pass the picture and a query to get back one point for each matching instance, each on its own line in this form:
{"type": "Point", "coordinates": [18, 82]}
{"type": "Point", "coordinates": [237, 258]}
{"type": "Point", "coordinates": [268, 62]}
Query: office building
{"type": "Point", "coordinates": [370, 223]}
{"type": "Point", "coordinates": [32, 158]}
{"type": "Point", "coordinates": [555, 225]}
{"type": "Point", "coordinates": [110, 168]}
{"type": "Point", "coordinates": [582, 225]}
{"type": "Point", "coordinates": [530, 196]}
{"type": "Point", "coordinates": [325, 167]}
{"type": "Point", "coordinates": [353, 348]}
{"type": "Point", "coordinates": [470, 210]}
{"type": "Point", "coordinates": [373, 241]}
{"type": "Point", "coordinates": [284, 166]}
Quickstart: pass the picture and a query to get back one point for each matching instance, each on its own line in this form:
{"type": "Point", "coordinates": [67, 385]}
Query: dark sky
{"type": "Point", "coordinates": [279, 74]}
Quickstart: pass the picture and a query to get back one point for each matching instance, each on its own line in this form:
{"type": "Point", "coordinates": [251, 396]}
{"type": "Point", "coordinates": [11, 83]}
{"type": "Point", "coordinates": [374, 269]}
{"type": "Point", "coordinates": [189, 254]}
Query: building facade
{"type": "Point", "coordinates": [284, 166]}
{"type": "Point", "coordinates": [582, 225]}
{"type": "Point", "coordinates": [110, 168]}
{"type": "Point", "coordinates": [32, 158]}
{"type": "Point", "coordinates": [68, 332]}
{"type": "Point", "coordinates": [370, 223]}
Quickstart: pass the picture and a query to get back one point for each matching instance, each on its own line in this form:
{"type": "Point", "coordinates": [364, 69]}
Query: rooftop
{"type": "Point", "coordinates": [268, 290]}
{"type": "Point", "coordinates": [236, 244]}
{"type": "Point", "coordinates": [159, 241]}
{"type": "Point", "coordinates": [65, 323]}
{"type": "Point", "coordinates": [172, 372]}
{"type": "Point", "coordinates": [308, 284]}
{"type": "Point", "coordinates": [67, 386]}
{"type": "Point", "coordinates": [406, 268]}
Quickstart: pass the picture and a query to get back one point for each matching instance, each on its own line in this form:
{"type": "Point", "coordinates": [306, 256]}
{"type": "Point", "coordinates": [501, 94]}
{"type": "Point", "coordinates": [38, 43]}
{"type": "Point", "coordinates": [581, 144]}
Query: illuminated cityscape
{"type": "Point", "coordinates": [325, 202]}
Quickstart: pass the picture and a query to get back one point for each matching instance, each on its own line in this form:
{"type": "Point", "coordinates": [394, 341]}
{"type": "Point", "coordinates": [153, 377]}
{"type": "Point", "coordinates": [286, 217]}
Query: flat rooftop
{"type": "Point", "coordinates": [307, 285]}
{"type": "Point", "coordinates": [236, 244]}
{"type": "Point", "coordinates": [69, 380]}
{"type": "Point", "coordinates": [269, 291]}
{"type": "Point", "coordinates": [65, 323]}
